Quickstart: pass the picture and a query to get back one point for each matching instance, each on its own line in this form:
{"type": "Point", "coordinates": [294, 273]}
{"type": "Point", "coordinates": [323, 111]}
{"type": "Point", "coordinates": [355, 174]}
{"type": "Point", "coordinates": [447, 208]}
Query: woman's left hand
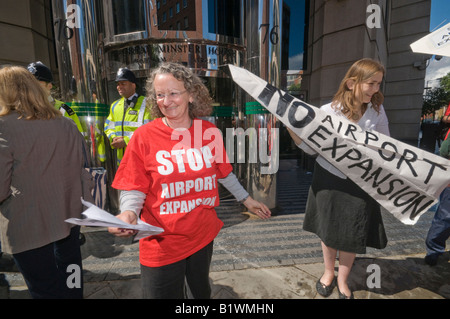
{"type": "Point", "coordinates": [257, 208]}
{"type": "Point", "coordinates": [128, 217]}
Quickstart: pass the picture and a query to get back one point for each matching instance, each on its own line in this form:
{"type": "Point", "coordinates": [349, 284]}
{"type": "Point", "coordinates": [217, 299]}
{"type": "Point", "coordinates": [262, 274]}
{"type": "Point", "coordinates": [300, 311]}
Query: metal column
{"type": "Point", "coordinates": [79, 56]}
{"type": "Point", "coordinates": [263, 44]}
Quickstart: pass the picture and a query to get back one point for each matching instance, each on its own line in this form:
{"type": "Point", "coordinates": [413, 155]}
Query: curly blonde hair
{"type": "Point", "coordinates": [361, 71]}
{"type": "Point", "coordinates": [202, 101]}
{"type": "Point", "coordinates": [21, 92]}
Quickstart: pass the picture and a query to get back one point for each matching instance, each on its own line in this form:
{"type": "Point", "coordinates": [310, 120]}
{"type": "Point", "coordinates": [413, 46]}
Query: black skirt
{"type": "Point", "coordinates": [344, 216]}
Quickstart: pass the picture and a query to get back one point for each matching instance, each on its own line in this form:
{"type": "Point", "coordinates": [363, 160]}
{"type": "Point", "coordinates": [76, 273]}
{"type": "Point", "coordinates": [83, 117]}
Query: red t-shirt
{"type": "Point", "coordinates": [447, 113]}
{"type": "Point", "coordinates": [178, 171]}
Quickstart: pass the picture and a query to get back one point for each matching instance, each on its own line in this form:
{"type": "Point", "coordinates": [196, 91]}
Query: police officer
{"type": "Point", "coordinates": [45, 77]}
{"type": "Point", "coordinates": [126, 114]}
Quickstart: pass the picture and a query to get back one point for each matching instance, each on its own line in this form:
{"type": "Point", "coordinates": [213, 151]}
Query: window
{"type": "Point", "coordinates": [224, 17]}
{"type": "Point", "coordinates": [128, 16]}
{"type": "Point", "coordinates": [295, 31]}
{"type": "Point", "coordinates": [168, 19]}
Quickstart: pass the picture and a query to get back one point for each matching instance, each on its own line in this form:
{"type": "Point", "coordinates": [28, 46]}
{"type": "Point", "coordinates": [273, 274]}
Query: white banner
{"type": "Point", "coordinates": [404, 179]}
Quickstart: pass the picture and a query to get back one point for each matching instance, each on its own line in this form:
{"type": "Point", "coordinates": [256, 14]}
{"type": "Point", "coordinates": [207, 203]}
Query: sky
{"type": "Point", "coordinates": [296, 46]}
{"type": "Point", "coordinates": [440, 16]}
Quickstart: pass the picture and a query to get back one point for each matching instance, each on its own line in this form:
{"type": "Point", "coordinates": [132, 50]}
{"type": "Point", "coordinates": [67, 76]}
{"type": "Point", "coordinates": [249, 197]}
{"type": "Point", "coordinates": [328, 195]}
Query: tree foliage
{"type": "Point", "coordinates": [445, 82]}
{"type": "Point", "coordinates": [294, 87]}
{"type": "Point", "coordinates": [437, 97]}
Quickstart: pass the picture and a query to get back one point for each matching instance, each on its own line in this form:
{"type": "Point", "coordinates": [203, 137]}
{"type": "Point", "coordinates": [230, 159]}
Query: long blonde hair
{"type": "Point", "coordinates": [202, 101]}
{"type": "Point", "coordinates": [21, 92]}
{"type": "Point", "coordinates": [348, 100]}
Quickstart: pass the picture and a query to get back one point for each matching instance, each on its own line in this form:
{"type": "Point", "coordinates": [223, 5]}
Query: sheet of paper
{"type": "Point", "coordinates": [97, 217]}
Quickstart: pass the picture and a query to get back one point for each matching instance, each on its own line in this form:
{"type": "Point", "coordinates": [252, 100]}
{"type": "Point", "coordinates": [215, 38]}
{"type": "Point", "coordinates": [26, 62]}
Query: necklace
{"type": "Point", "coordinates": [359, 113]}
{"type": "Point", "coordinates": [167, 123]}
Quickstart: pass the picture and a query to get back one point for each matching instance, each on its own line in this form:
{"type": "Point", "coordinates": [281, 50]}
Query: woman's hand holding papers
{"type": "Point", "coordinates": [128, 217]}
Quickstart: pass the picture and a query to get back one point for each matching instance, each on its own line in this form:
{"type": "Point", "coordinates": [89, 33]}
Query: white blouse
{"type": "Point", "coordinates": [371, 120]}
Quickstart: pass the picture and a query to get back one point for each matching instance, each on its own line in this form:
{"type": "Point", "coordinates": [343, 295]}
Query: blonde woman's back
{"type": "Point", "coordinates": [42, 166]}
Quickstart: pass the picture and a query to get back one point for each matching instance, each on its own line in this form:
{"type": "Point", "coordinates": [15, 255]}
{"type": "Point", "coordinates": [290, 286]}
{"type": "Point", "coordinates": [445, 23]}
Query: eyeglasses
{"type": "Point", "coordinates": [170, 96]}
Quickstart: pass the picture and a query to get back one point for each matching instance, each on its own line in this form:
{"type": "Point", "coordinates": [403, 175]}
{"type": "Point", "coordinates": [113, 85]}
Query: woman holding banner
{"type": "Point", "coordinates": [346, 218]}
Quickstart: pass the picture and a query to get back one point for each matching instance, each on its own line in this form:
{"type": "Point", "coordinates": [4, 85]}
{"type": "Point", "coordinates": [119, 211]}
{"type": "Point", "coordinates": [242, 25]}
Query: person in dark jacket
{"type": "Point", "coordinates": [42, 180]}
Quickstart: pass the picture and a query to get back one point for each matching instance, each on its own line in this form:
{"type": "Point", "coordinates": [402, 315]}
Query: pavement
{"type": "Point", "coordinates": [268, 260]}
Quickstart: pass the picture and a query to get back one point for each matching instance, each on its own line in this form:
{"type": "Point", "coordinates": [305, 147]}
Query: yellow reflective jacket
{"type": "Point", "coordinates": [67, 111]}
{"type": "Point", "coordinates": [123, 122]}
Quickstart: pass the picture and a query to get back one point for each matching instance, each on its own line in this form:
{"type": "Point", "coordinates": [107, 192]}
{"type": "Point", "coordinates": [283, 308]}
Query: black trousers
{"type": "Point", "coordinates": [169, 282]}
{"type": "Point", "coordinates": [54, 271]}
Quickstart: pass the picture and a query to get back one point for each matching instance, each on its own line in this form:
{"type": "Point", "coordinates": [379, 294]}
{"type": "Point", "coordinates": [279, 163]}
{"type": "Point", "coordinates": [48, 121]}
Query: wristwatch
{"type": "Point", "coordinates": [243, 200]}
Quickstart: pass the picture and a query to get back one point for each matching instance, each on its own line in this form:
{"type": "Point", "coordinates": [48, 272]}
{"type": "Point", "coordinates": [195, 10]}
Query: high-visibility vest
{"type": "Point", "coordinates": [101, 148]}
{"type": "Point", "coordinates": [123, 122]}
{"type": "Point", "coordinates": [67, 111]}
{"type": "Point", "coordinates": [99, 138]}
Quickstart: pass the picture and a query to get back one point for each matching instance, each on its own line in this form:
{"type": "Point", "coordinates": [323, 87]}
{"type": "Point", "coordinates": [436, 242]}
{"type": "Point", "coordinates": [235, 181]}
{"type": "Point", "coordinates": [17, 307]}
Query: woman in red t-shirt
{"type": "Point", "coordinates": [446, 119]}
{"type": "Point", "coordinates": [169, 177]}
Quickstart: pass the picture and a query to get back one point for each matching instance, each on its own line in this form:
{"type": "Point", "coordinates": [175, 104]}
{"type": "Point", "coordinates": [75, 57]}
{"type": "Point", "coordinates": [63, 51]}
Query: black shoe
{"type": "Point", "coordinates": [323, 290]}
{"type": "Point", "coordinates": [343, 296]}
{"type": "Point", "coordinates": [431, 259]}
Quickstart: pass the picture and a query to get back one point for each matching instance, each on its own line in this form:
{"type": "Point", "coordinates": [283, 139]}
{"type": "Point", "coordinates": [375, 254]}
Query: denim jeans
{"type": "Point", "coordinates": [46, 269]}
{"type": "Point", "coordinates": [439, 231]}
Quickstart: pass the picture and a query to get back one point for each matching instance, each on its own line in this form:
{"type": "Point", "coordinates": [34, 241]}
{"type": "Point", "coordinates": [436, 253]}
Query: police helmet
{"type": "Point", "coordinates": [40, 71]}
{"type": "Point", "coordinates": [125, 74]}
